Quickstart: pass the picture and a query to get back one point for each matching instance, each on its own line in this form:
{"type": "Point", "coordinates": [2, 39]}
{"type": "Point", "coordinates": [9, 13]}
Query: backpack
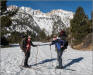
{"type": "Point", "coordinates": [65, 44]}
{"type": "Point", "coordinates": [23, 45]}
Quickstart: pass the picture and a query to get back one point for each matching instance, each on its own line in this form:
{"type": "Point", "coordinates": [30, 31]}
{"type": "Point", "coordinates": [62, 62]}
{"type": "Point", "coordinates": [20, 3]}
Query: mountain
{"type": "Point", "coordinates": [35, 20]}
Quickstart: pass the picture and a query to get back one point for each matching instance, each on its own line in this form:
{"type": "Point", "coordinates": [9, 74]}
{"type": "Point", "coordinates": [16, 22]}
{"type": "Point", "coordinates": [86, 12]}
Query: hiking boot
{"type": "Point", "coordinates": [27, 66]}
{"type": "Point", "coordinates": [59, 67]}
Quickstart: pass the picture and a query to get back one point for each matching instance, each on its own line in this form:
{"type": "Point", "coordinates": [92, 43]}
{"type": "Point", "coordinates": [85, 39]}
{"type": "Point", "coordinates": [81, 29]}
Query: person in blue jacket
{"type": "Point", "coordinates": [59, 45]}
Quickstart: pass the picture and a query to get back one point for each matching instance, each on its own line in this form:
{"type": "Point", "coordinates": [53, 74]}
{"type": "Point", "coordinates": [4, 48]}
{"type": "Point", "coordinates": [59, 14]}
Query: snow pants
{"type": "Point", "coordinates": [27, 55]}
{"type": "Point", "coordinates": [59, 57]}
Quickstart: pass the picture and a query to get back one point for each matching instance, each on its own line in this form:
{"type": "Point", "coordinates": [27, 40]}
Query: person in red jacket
{"type": "Point", "coordinates": [28, 44]}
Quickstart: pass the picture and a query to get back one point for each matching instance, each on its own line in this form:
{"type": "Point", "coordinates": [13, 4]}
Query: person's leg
{"type": "Point", "coordinates": [27, 55]}
{"type": "Point", "coordinates": [59, 58]}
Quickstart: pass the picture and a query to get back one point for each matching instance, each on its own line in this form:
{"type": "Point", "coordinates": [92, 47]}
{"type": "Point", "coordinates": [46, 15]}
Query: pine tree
{"type": "Point", "coordinates": [5, 21]}
{"type": "Point", "coordinates": [91, 22]}
{"type": "Point", "coordinates": [42, 35]}
{"type": "Point", "coordinates": [79, 26]}
{"type": "Point", "coordinates": [3, 6]}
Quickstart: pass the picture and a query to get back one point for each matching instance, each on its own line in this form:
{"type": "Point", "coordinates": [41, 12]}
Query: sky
{"type": "Point", "coordinates": [47, 6]}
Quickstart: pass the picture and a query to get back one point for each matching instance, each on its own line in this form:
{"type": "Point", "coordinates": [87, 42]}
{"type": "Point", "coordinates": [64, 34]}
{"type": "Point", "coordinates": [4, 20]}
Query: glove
{"type": "Point", "coordinates": [61, 46]}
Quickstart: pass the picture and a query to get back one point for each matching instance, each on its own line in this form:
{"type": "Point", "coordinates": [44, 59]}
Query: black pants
{"type": "Point", "coordinates": [27, 55]}
{"type": "Point", "coordinates": [59, 57]}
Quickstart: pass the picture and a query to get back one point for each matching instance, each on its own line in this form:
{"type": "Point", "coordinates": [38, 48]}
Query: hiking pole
{"type": "Point", "coordinates": [36, 59]}
{"type": "Point", "coordinates": [36, 55]}
{"type": "Point", "coordinates": [51, 55]}
{"type": "Point", "coordinates": [43, 44]}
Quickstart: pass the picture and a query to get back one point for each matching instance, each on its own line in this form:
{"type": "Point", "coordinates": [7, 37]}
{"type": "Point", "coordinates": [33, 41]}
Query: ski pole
{"type": "Point", "coordinates": [43, 44]}
{"type": "Point", "coordinates": [51, 55]}
{"type": "Point", "coordinates": [36, 55]}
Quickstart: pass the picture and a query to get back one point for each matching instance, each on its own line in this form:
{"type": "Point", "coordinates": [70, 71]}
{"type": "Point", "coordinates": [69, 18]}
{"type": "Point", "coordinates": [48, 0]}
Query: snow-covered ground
{"type": "Point", "coordinates": [75, 62]}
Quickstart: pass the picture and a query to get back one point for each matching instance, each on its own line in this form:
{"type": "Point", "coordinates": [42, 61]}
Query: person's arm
{"type": "Point", "coordinates": [52, 43]}
{"type": "Point", "coordinates": [33, 44]}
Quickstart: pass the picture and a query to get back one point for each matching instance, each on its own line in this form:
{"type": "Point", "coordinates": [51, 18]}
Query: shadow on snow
{"type": "Point", "coordinates": [14, 45]}
{"type": "Point", "coordinates": [73, 61]}
{"type": "Point", "coordinates": [44, 61]}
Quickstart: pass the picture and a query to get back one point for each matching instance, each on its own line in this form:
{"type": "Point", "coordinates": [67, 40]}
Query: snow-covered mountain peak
{"type": "Point", "coordinates": [12, 8]}
{"type": "Point", "coordinates": [60, 11]}
{"type": "Point", "coordinates": [45, 20]}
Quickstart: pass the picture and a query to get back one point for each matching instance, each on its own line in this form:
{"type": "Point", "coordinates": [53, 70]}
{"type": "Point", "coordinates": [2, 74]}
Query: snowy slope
{"type": "Point", "coordinates": [75, 62]}
{"type": "Point", "coordinates": [38, 18]}
{"type": "Point", "coordinates": [23, 22]}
